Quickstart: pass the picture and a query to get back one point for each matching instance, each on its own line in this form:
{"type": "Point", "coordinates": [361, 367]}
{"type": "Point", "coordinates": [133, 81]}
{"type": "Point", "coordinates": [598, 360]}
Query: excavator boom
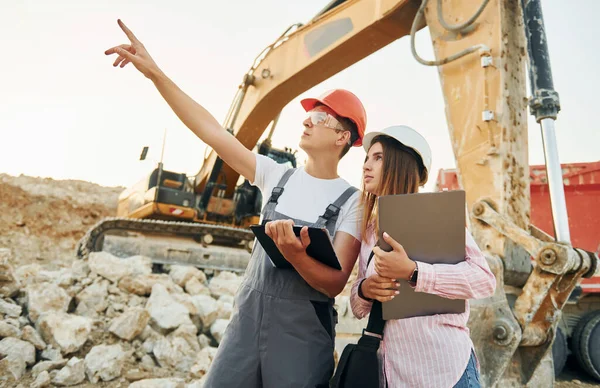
{"type": "Point", "coordinates": [345, 33]}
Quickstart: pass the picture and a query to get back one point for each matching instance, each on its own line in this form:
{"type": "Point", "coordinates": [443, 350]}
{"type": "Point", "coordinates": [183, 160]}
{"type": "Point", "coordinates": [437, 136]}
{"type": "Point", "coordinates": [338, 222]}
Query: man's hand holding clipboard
{"type": "Point", "coordinates": [291, 246]}
{"type": "Point", "coordinates": [287, 244]}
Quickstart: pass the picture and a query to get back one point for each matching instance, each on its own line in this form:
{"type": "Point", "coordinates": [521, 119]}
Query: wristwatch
{"type": "Point", "coordinates": [413, 278]}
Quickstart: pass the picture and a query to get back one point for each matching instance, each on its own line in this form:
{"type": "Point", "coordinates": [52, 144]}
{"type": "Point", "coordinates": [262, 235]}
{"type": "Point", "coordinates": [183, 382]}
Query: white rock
{"type": "Point", "coordinates": [62, 278]}
{"type": "Point", "coordinates": [207, 309]}
{"type": "Point", "coordinates": [225, 283]}
{"type": "Point", "coordinates": [5, 256]}
{"type": "Point", "coordinates": [34, 274]}
{"type": "Point", "coordinates": [148, 332]}
{"type": "Point", "coordinates": [150, 338]}
{"type": "Point", "coordinates": [218, 328]}
{"type": "Point", "coordinates": [66, 331]}
{"type": "Point", "coordinates": [22, 321]}
{"type": "Point", "coordinates": [33, 337]}
{"type": "Point", "coordinates": [47, 366]}
{"type": "Point", "coordinates": [227, 299]}
{"type": "Point", "coordinates": [165, 311]}
{"type": "Point", "coordinates": [130, 324]}
{"type": "Point", "coordinates": [12, 366]}
{"type": "Point", "coordinates": [136, 301]}
{"type": "Point", "coordinates": [135, 375]}
{"type": "Point", "coordinates": [92, 300]}
{"type": "Point", "coordinates": [195, 287]}
{"type": "Point", "coordinates": [9, 285]}
{"type": "Point", "coordinates": [9, 289]}
{"type": "Point", "coordinates": [75, 289]}
{"type": "Point", "coordinates": [225, 307]}
{"type": "Point", "coordinates": [16, 322]}
{"type": "Point", "coordinates": [159, 383]}
{"type": "Point", "coordinates": [72, 374]}
{"type": "Point", "coordinates": [52, 354]}
{"type": "Point", "coordinates": [8, 330]}
{"type": "Point", "coordinates": [113, 289]}
{"type": "Point", "coordinates": [42, 381]}
{"type": "Point", "coordinates": [341, 305]}
{"type": "Point", "coordinates": [80, 269]}
{"type": "Point", "coordinates": [142, 284]}
{"type": "Point", "coordinates": [10, 309]}
{"type": "Point", "coordinates": [104, 362]}
{"type": "Point", "coordinates": [201, 364]}
{"type": "Point", "coordinates": [16, 348]}
{"type": "Point", "coordinates": [28, 274]}
{"type": "Point", "coordinates": [182, 273]}
{"type": "Point", "coordinates": [114, 268]}
{"type": "Point", "coordinates": [187, 301]}
{"type": "Point", "coordinates": [179, 349]}
{"type": "Point", "coordinates": [204, 341]}
{"type": "Point", "coordinates": [45, 297]}
{"type": "Point", "coordinates": [148, 361]}
{"type": "Point", "coordinates": [196, 384]}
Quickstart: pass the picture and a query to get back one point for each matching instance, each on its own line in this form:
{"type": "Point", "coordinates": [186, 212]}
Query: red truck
{"type": "Point", "coordinates": [580, 322]}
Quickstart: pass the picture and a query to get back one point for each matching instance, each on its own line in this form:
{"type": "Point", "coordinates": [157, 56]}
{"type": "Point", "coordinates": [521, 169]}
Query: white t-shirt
{"type": "Point", "coordinates": [306, 197]}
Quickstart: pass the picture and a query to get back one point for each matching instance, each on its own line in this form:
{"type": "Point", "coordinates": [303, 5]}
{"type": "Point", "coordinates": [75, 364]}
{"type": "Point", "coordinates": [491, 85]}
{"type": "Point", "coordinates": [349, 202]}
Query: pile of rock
{"type": "Point", "coordinates": [110, 319]}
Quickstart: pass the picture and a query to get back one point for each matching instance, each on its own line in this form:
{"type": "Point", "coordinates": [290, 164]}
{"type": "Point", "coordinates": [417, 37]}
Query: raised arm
{"type": "Point", "coordinates": [192, 114]}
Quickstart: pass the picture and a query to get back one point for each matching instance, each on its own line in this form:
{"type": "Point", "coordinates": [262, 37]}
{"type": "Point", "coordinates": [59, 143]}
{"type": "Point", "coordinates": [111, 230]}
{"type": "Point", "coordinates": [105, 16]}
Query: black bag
{"type": "Point", "coordinates": [359, 365]}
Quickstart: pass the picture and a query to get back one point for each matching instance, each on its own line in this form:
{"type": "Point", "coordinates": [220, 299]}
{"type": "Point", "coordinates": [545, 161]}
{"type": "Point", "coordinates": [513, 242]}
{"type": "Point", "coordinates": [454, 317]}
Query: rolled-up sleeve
{"type": "Point", "coordinates": [360, 307]}
{"type": "Point", "coordinates": [469, 279]}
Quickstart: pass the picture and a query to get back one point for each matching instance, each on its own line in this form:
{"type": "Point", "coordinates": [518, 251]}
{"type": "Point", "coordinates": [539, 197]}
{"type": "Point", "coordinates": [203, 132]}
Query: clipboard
{"type": "Point", "coordinates": [431, 228]}
{"type": "Point", "coordinates": [320, 247]}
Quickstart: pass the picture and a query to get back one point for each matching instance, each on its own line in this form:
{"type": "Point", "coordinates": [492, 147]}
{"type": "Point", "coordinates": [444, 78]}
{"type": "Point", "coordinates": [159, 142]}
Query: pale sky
{"type": "Point", "coordinates": [66, 113]}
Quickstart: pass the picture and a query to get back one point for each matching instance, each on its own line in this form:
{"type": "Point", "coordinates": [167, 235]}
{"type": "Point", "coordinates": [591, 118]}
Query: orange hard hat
{"type": "Point", "coordinates": [345, 104]}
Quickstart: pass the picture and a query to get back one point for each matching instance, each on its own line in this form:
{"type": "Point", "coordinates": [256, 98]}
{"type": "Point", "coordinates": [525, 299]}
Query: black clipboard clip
{"type": "Point", "coordinates": [320, 247]}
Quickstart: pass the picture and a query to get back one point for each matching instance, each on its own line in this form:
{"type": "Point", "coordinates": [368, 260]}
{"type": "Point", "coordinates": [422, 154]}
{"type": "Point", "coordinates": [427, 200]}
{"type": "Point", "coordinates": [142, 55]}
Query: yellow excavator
{"type": "Point", "coordinates": [483, 50]}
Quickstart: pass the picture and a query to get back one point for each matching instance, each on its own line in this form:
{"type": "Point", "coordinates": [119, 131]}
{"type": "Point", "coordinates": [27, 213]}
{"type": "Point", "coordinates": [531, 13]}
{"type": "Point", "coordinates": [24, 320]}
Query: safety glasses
{"type": "Point", "coordinates": [325, 119]}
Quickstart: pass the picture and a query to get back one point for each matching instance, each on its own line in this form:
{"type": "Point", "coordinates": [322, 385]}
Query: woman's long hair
{"type": "Point", "coordinates": [402, 173]}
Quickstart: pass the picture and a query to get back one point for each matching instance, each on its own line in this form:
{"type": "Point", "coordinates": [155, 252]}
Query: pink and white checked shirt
{"type": "Point", "coordinates": [431, 351]}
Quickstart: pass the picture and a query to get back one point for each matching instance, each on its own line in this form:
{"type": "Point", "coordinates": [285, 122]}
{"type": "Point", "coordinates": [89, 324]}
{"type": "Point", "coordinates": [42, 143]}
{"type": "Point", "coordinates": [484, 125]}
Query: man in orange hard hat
{"type": "Point", "coordinates": [282, 331]}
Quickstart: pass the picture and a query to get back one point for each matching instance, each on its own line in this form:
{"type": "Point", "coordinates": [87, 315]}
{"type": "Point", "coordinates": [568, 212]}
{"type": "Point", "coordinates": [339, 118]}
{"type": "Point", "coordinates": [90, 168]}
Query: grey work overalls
{"type": "Point", "coordinates": [282, 331]}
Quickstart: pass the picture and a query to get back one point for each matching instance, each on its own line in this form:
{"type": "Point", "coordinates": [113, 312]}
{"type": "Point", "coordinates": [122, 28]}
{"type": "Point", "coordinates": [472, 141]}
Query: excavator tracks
{"type": "Point", "coordinates": [172, 242]}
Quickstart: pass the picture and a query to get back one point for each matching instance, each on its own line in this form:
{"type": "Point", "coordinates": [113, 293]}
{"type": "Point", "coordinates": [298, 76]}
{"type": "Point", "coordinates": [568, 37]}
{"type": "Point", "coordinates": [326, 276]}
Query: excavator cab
{"type": "Point", "coordinates": [172, 198]}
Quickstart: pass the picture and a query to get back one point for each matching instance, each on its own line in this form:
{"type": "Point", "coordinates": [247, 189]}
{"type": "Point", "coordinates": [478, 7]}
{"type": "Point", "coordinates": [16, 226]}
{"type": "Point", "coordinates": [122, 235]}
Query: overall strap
{"type": "Point", "coordinates": [269, 208]}
{"type": "Point", "coordinates": [333, 210]}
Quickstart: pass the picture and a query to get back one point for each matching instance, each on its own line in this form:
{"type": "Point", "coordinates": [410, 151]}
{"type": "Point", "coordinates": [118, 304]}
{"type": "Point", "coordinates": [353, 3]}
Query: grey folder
{"type": "Point", "coordinates": [431, 228]}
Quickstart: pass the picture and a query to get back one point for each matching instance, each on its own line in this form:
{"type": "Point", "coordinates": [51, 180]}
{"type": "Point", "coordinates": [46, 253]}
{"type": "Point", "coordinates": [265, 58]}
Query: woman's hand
{"type": "Point", "coordinates": [380, 288]}
{"type": "Point", "coordinates": [135, 53]}
{"type": "Point", "coordinates": [394, 264]}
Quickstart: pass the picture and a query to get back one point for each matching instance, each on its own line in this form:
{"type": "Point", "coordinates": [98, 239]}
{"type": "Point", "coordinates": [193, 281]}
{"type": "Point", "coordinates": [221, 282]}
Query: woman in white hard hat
{"type": "Point", "coordinates": [429, 351]}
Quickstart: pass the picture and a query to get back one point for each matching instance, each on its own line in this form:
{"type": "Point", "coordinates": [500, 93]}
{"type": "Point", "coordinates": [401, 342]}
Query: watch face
{"type": "Point", "coordinates": [413, 278]}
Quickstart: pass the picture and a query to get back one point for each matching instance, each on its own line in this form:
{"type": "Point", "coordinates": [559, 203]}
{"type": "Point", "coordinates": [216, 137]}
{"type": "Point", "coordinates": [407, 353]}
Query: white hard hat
{"type": "Point", "coordinates": [408, 137]}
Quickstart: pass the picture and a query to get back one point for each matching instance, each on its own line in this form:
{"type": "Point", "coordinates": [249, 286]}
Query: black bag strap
{"type": "Point", "coordinates": [376, 322]}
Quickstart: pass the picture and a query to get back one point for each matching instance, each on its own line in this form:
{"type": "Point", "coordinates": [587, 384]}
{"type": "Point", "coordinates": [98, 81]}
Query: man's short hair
{"type": "Point", "coordinates": [350, 126]}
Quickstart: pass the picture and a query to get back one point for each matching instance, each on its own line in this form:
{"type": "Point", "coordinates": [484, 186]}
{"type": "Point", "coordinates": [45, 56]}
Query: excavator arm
{"type": "Point", "coordinates": [340, 35]}
{"type": "Point", "coordinates": [482, 53]}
